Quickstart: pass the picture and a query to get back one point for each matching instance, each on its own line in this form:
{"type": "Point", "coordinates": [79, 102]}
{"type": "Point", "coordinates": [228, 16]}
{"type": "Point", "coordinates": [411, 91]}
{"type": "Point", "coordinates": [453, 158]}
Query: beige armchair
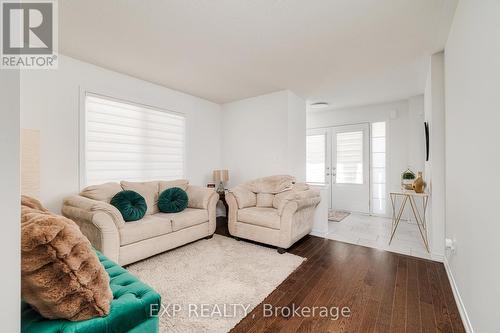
{"type": "Point", "coordinates": [272, 210]}
{"type": "Point", "coordinates": [128, 242]}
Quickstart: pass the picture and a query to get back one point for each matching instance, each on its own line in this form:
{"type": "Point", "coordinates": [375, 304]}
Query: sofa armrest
{"type": "Point", "coordinates": [94, 206]}
{"type": "Point", "coordinates": [297, 218]}
{"type": "Point", "coordinates": [212, 212]}
{"type": "Point", "coordinates": [232, 214]}
{"type": "Point", "coordinates": [98, 223]}
{"type": "Point", "coordinates": [307, 202]}
{"type": "Point", "coordinates": [303, 199]}
{"type": "Point", "coordinates": [199, 197]}
{"type": "Point", "coordinates": [295, 205]}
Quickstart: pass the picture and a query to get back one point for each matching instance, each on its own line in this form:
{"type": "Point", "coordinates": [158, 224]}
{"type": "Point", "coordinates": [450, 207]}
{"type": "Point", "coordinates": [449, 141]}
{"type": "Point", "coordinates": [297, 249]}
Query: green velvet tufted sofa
{"type": "Point", "coordinates": [130, 309]}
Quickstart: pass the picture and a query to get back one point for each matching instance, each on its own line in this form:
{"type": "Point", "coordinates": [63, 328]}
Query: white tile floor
{"type": "Point", "coordinates": [375, 232]}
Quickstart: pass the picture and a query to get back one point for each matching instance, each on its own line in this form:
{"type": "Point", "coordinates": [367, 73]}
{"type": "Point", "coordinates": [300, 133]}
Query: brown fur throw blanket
{"type": "Point", "coordinates": [61, 276]}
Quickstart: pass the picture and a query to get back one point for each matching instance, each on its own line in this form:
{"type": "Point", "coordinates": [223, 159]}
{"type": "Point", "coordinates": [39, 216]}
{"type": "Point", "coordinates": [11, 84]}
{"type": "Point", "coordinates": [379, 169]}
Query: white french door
{"type": "Point", "coordinates": [349, 169]}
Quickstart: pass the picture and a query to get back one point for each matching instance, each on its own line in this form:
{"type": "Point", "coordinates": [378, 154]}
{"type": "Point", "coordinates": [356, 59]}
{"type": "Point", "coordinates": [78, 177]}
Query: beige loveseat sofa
{"type": "Point", "coordinates": [127, 242]}
{"type": "Point", "coordinates": [272, 210]}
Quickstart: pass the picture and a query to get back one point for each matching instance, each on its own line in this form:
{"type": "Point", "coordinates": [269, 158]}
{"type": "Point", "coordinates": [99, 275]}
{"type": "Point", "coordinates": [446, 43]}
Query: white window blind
{"type": "Point", "coordinates": [349, 158]}
{"type": "Point", "coordinates": [127, 141]}
{"type": "Point", "coordinates": [316, 158]}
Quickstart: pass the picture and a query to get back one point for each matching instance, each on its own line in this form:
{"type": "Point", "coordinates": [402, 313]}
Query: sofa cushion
{"type": "Point", "coordinates": [265, 199]}
{"type": "Point", "coordinates": [61, 276]}
{"type": "Point", "coordinates": [188, 218]}
{"type": "Point", "coordinates": [148, 227]}
{"type": "Point", "coordinates": [261, 216]}
{"type": "Point", "coordinates": [102, 192]}
{"type": "Point", "coordinates": [131, 205]}
{"type": "Point", "coordinates": [166, 184]}
{"type": "Point", "coordinates": [244, 197]}
{"type": "Point", "coordinates": [173, 200]}
{"type": "Point", "coordinates": [271, 184]}
{"type": "Point", "coordinates": [199, 197]}
{"type": "Point", "coordinates": [149, 190]}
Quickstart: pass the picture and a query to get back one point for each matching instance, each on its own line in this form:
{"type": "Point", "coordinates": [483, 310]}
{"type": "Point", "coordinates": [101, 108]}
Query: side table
{"type": "Point", "coordinates": [222, 197]}
{"type": "Point", "coordinates": [409, 196]}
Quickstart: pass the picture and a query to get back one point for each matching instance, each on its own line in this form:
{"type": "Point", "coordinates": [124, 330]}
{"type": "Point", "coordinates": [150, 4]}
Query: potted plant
{"type": "Point", "coordinates": [407, 178]}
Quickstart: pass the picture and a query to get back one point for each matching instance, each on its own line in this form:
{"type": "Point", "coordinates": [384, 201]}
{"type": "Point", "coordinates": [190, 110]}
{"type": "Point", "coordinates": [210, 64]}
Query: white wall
{"type": "Point", "coordinates": [50, 103]}
{"type": "Point", "coordinates": [416, 133]}
{"type": "Point", "coordinates": [472, 81]}
{"type": "Point", "coordinates": [435, 167]}
{"type": "Point", "coordinates": [9, 200]}
{"type": "Point", "coordinates": [404, 133]}
{"type": "Point", "coordinates": [296, 136]}
{"type": "Point", "coordinates": [264, 135]}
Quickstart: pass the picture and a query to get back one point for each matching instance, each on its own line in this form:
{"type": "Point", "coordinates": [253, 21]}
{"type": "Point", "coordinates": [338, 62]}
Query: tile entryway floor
{"type": "Point", "coordinates": [372, 231]}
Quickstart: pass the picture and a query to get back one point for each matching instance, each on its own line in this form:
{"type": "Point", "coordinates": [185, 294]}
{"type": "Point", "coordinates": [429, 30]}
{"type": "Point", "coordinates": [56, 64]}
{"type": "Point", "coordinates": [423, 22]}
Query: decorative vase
{"type": "Point", "coordinates": [419, 184]}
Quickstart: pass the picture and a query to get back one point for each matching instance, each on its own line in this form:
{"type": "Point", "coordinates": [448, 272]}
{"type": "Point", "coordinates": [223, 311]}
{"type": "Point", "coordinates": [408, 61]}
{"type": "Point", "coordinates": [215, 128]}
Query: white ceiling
{"type": "Point", "coordinates": [345, 52]}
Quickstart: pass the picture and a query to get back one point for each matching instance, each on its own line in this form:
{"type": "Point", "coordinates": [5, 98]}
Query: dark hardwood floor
{"type": "Point", "coordinates": [385, 292]}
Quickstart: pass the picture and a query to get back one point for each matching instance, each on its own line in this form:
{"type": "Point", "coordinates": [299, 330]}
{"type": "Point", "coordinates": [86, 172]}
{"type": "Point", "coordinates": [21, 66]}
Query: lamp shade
{"type": "Point", "coordinates": [221, 175]}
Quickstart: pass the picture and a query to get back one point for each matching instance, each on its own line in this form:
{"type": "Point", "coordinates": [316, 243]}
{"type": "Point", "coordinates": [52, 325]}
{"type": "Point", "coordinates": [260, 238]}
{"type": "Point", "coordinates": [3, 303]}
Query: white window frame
{"type": "Point", "coordinates": [386, 170]}
{"type": "Point", "coordinates": [323, 132]}
{"type": "Point", "coordinates": [82, 127]}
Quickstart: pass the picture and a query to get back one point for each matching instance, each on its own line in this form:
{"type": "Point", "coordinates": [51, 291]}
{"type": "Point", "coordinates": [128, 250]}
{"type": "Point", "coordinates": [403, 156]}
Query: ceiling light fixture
{"type": "Point", "coordinates": [319, 105]}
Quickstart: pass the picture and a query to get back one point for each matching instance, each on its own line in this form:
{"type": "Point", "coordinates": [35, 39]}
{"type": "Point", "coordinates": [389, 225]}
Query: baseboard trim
{"type": "Point", "coordinates": [437, 257]}
{"type": "Point", "coordinates": [458, 298]}
{"type": "Point", "coordinates": [318, 234]}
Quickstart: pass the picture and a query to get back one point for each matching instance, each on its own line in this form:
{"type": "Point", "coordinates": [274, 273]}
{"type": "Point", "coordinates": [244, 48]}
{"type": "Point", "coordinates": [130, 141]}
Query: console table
{"type": "Point", "coordinates": [410, 196]}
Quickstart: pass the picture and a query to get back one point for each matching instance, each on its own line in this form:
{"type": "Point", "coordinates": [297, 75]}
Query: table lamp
{"type": "Point", "coordinates": [220, 176]}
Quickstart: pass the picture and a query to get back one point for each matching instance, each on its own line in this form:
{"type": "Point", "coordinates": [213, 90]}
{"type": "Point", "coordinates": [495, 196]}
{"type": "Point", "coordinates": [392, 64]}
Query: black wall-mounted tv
{"type": "Point", "coordinates": [426, 125]}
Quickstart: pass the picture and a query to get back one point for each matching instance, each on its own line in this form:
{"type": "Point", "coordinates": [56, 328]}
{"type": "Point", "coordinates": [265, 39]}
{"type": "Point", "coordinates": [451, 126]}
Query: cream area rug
{"type": "Point", "coordinates": [337, 215]}
{"type": "Point", "coordinates": [210, 285]}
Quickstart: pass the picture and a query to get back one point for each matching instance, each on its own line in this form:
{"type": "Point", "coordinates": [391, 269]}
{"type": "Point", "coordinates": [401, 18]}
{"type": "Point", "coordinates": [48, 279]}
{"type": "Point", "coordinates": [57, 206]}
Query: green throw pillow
{"type": "Point", "coordinates": [173, 200]}
{"type": "Point", "coordinates": [131, 204]}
